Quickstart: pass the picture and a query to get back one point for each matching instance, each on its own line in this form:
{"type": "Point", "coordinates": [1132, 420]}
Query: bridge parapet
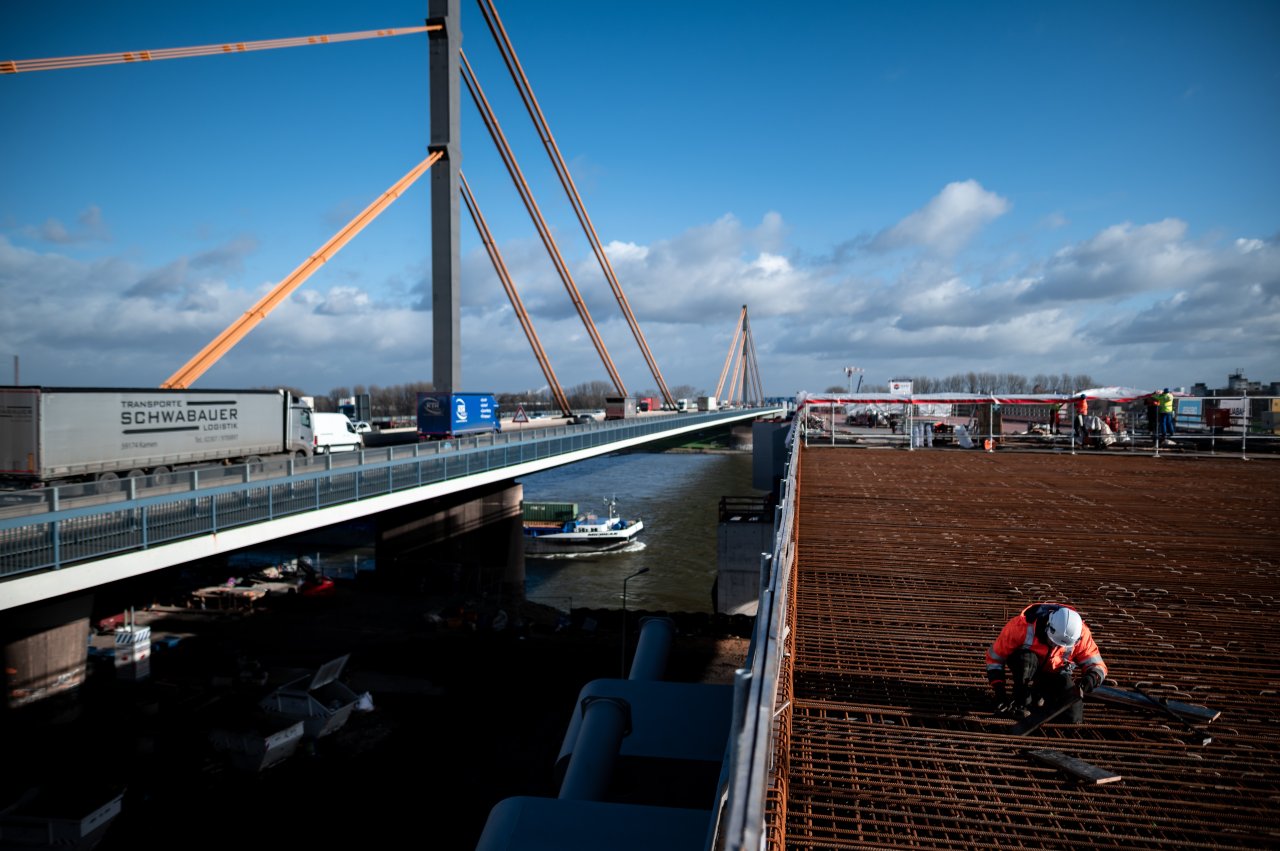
{"type": "Point", "coordinates": [78, 525]}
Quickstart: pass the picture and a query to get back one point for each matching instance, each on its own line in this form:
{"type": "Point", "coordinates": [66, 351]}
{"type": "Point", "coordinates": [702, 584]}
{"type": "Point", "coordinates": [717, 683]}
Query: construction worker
{"type": "Point", "coordinates": [1080, 422]}
{"type": "Point", "coordinates": [1042, 647]}
{"type": "Point", "coordinates": [1165, 400]}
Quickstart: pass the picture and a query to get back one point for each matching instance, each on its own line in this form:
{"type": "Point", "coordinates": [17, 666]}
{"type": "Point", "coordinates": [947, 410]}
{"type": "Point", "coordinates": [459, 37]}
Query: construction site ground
{"type": "Point", "coordinates": [909, 563]}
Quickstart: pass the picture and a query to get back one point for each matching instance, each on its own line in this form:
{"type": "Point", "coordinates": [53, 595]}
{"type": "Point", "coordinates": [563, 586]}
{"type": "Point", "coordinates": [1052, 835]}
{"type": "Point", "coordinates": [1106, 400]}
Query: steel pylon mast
{"type": "Point", "coordinates": [742, 359]}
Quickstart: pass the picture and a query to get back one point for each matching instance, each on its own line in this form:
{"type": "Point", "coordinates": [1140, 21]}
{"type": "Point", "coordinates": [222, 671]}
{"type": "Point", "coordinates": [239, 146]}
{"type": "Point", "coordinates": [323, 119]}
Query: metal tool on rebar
{"type": "Point", "coordinates": [1197, 736]}
{"type": "Point", "coordinates": [1048, 713]}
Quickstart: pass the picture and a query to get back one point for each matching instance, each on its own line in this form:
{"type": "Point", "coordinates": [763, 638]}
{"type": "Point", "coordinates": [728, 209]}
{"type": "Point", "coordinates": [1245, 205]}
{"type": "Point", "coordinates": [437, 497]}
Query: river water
{"type": "Point", "coordinates": [676, 494]}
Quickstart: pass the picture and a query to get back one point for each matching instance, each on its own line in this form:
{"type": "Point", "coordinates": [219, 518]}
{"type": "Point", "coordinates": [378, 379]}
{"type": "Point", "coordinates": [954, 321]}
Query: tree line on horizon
{"type": "Point", "coordinates": [986, 382]}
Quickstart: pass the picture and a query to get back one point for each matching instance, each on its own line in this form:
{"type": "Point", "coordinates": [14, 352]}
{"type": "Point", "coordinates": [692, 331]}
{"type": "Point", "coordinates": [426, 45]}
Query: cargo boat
{"type": "Point", "coordinates": [556, 527]}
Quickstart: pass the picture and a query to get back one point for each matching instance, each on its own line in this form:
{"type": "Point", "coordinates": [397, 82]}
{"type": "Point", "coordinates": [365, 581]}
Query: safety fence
{"type": "Point", "coordinates": [1215, 425]}
{"type": "Point", "coordinates": [55, 527]}
{"type": "Point", "coordinates": [761, 698]}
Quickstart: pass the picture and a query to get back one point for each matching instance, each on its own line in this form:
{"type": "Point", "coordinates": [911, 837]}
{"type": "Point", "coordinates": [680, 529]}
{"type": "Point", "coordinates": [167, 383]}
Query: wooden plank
{"type": "Point", "coordinates": [1135, 700]}
{"type": "Point", "coordinates": [1078, 768]}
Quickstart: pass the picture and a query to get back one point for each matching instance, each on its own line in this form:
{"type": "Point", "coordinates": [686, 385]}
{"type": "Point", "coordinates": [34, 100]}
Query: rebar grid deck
{"type": "Point", "coordinates": [908, 565]}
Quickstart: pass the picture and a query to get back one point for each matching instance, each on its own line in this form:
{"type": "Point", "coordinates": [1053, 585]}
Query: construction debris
{"type": "Point", "coordinates": [1077, 768]}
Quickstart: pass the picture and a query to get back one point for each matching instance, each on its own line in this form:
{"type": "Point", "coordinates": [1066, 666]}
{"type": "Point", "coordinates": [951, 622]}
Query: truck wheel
{"type": "Point", "coordinates": [108, 483]}
{"type": "Point", "coordinates": [162, 476]}
{"type": "Point", "coordinates": [134, 474]}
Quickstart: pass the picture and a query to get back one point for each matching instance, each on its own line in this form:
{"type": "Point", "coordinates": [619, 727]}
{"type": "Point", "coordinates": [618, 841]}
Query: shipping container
{"type": "Point", "coordinates": [445, 415]}
{"type": "Point", "coordinates": [549, 512]}
{"type": "Point", "coordinates": [69, 433]}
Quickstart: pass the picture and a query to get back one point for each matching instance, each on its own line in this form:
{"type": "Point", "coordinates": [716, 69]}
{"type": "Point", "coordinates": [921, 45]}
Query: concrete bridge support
{"type": "Point", "coordinates": [470, 542]}
{"type": "Point", "coordinates": [744, 534]}
{"type": "Point", "coordinates": [46, 654]}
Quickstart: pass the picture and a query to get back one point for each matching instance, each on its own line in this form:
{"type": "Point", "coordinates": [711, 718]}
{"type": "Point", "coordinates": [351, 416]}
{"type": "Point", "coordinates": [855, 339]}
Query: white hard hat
{"type": "Point", "coordinates": [1064, 627]}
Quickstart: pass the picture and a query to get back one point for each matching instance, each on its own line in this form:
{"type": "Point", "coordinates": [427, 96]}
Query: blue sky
{"type": "Point", "coordinates": [911, 188]}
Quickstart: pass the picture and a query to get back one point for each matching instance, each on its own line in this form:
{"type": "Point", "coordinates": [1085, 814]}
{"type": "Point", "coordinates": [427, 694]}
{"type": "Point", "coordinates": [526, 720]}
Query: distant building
{"type": "Point", "coordinates": [1238, 385]}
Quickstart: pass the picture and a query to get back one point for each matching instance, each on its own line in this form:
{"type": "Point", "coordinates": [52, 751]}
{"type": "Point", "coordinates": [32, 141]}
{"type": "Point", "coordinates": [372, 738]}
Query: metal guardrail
{"type": "Point", "coordinates": [56, 527]}
{"type": "Point", "coordinates": [754, 729]}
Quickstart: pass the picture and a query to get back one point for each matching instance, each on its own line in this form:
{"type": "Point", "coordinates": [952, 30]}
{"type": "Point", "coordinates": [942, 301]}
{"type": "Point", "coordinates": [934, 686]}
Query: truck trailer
{"type": "Point", "coordinates": [619, 407]}
{"type": "Point", "coordinates": [445, 415]}
{"type": "Point", "coordinates": [50, 434]}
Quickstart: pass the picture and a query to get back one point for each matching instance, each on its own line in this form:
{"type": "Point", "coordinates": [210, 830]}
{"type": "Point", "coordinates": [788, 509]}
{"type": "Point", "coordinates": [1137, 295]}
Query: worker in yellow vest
{"type": "Point", "coordinates": [1164, 400]}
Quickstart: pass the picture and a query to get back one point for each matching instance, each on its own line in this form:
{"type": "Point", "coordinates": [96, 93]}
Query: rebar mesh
{"type": "Point", "coordinates": [908, 566]}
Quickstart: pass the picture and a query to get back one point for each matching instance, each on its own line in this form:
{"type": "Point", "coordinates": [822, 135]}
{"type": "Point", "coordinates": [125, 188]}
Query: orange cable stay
{"type": "Point", "coordinates": [535, 213]}
{"type": "Point", "coordinates": [743, 359]}
{"type": "Point", "coordinates": [507, 49]}
{"type": "Point", "coordinates": [235, 332]}
{"type": "Point", "coordinates": [517, 304]}
{"type": "Point", "coordinates": [22, 66]}
{"type": "Point", "coordinates": [733, 345]}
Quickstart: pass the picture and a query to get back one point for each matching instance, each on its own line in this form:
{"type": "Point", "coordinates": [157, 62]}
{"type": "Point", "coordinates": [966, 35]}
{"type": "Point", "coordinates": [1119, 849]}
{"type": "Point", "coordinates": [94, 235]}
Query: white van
{"type": "Point", "coordinates": [335, 433]}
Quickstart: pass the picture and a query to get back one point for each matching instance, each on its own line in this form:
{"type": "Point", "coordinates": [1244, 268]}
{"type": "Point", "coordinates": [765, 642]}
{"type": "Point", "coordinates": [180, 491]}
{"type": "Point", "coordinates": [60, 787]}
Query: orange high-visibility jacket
{"type": "Point", "coordinates": [1021, 631]}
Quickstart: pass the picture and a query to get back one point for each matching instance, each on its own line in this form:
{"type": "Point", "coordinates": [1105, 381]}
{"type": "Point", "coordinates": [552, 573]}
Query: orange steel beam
{"type": "Point", "coordinates": [508, 52]}
{"type": "Point", "coordinates": [517, 303]}
{"type": "Point", "coordinates": [729, 358]}
{"type": "Point", "coordinates": [221, 344]}
{"type": "Point", "coordinates": [539, 222]}
{"type": "Point", "coordinates": [22, 66]}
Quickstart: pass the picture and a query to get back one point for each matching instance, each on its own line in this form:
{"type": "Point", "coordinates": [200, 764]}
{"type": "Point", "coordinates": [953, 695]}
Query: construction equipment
{"type": "Point", "coordinates": [1140, 699]}
{"type": "Point", "coordinates": [1033, 721]}
{"type": "Point", "coordinates": [1082, 771]}
{"type": "Point", "coordinates": [1198, 737]}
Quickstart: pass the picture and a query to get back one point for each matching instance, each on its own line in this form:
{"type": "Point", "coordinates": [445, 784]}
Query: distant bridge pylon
{"type": "Point", "coordinates": [745, 386]}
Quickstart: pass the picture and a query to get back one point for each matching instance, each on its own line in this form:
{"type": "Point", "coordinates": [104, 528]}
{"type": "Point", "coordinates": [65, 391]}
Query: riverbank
{"type": "Point", "coordinates": [463, 716]}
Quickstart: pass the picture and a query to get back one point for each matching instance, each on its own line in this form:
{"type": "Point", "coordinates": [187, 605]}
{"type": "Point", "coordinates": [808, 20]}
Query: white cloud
{"type": "Point", "coordinates": [1123, 260]}
{"type": "Point", "coordinates": [948, 222]}
{"type": "Point", "coordinates": [90, 227]}
{"type": "Point", "coordinates": [1135, 304]}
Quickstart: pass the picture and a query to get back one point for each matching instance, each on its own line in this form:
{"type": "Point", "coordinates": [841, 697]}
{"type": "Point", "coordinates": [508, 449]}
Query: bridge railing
{"type": "Point", "coordinates": [56, 527]}
{"type": "Point", "coordinates": [758, 730]}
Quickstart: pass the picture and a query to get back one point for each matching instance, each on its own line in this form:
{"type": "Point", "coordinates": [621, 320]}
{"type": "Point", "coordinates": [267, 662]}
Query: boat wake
{"type": "Point", "coordinates": [632, 547]}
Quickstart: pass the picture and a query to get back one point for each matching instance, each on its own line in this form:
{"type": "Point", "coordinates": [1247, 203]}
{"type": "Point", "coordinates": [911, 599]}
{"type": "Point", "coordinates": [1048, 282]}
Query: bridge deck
{"type": "Point", "coordinates": [909, 563]}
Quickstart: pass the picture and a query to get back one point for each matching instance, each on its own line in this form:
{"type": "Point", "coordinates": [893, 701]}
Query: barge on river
{"type": "Point", "coordinates": [557, 527]}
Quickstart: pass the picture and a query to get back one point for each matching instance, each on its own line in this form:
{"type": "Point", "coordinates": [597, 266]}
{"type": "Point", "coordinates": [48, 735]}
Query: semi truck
{"type": "Point", "coordinates": [619, 407]}
{"type": "Point", "coordinates": [445, 415]}
{"type": "Point", "coordinates": [68, 434]}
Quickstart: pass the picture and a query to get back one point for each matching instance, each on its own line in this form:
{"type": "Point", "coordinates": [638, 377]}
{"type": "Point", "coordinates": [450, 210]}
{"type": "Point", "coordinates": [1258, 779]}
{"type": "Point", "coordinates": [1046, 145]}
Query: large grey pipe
{"type": "Point", "coordinates": [605, 721]}
{"type": "Point", "coordinates": [652, 649]}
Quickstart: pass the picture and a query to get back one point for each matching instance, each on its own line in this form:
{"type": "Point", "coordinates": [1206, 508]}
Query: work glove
{"type": "Point", "coordinates": [1013, 709]}
{"type": "Point", "coordinates": [1091, 680]}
